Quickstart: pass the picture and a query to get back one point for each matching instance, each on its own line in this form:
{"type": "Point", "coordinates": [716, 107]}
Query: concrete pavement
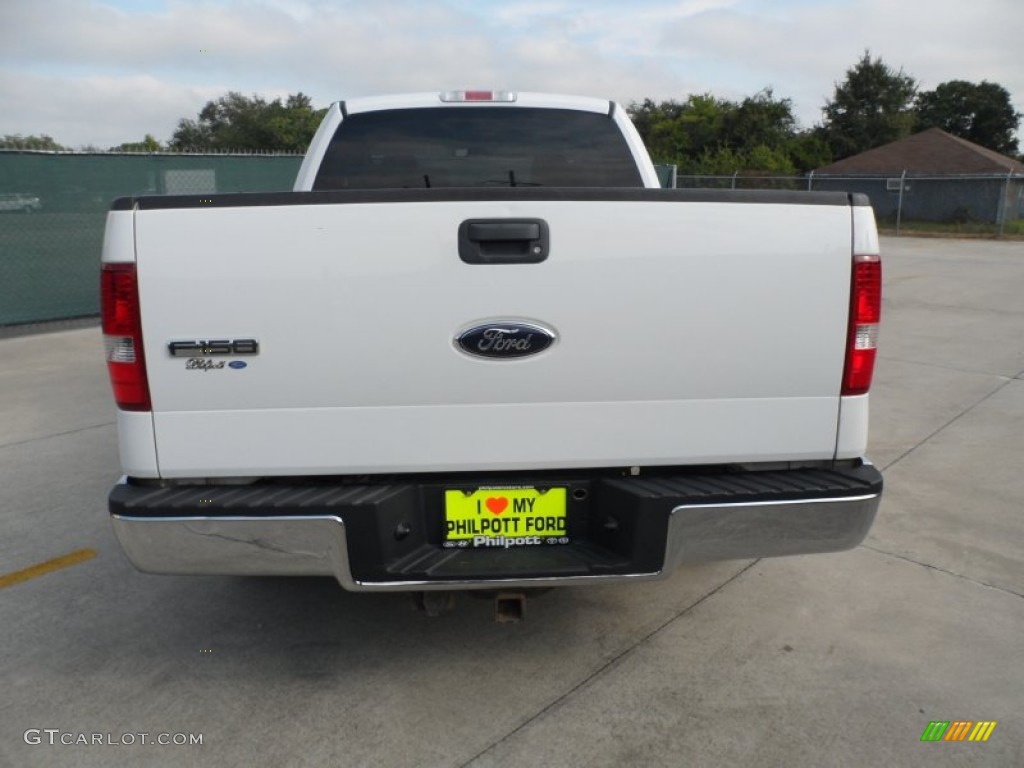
{"type": "Point", "coordinates": [820, 660]}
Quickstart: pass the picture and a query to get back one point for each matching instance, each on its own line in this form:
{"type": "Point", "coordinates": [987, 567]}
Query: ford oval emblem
{"type": "Point", "coordinates": [237, 364]}
{"type": "Point", "coordinates": [505, 340]}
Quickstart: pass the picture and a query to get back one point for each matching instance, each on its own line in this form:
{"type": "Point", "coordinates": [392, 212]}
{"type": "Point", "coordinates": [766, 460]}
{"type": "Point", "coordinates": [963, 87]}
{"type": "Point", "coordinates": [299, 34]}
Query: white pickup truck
{"type": "Point", "coordinates": [478, 348]}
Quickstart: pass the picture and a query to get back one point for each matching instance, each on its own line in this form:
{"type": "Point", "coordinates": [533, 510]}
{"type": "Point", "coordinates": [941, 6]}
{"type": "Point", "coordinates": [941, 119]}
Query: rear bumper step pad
{"type": "Point", "coordinates": [387, 536]}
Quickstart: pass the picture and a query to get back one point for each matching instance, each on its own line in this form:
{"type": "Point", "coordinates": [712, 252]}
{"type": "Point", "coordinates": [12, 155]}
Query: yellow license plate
{"type": "Point", "coordinates": [505, 517]}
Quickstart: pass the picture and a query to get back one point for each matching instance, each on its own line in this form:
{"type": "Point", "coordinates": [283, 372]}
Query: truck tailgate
{"type": "Point", "coordinates": [690, 328]}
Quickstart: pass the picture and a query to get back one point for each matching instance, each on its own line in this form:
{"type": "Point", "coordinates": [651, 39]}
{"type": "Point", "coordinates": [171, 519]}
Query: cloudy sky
{"type": "Point", "coordinates": [101, 72]}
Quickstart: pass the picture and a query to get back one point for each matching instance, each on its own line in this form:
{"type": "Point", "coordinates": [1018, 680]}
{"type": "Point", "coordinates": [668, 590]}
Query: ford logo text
{"type": "Point", "coordinates": [505, 340]}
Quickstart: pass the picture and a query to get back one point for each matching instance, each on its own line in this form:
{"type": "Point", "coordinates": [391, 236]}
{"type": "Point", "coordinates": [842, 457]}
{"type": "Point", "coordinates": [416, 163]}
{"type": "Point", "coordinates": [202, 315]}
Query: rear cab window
{"type": "Point", "coordinates": [477, 147]}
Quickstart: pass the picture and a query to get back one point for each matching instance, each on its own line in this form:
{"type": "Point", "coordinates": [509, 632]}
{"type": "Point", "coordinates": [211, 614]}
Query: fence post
{"type": "Point", "coordinates": [1003, 204]}
{"type": "Point", "coordinates": [810, 181]}
{"type": "Point", "coordinates": [899, 204]}
{"type": "Point", "coordinates": [734, 175]}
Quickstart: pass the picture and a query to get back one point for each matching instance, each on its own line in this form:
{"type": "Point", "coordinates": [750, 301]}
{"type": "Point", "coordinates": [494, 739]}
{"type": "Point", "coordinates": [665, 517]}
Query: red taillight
{"type": "Point", "coordinates": [865, 313]}
{"type": "Point", "coordinates": [122, 336]}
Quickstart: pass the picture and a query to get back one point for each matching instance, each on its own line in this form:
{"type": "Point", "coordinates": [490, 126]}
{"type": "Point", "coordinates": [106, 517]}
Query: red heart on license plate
{"type": "Point", "coordinates": [497, 505]}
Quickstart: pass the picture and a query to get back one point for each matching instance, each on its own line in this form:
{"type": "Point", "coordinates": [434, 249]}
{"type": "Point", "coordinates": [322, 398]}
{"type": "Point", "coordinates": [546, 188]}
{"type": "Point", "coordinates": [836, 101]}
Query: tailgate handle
{"type": "Point", "coordinates": [503, 241]}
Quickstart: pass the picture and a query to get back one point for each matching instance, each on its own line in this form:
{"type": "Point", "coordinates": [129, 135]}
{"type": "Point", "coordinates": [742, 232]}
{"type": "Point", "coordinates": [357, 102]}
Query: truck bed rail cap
{"type": "Point", "coordinates": [478, 194]}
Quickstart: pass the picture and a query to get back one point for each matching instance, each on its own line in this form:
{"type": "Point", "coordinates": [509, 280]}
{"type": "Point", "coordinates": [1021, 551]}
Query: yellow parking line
{"type": "Point", "coordinates": [10, 579]}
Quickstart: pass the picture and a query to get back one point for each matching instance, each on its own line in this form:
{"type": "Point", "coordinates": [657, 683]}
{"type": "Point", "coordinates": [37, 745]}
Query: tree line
{"type": "Point", "coordinates": [233, 122]}
{"type": "Point", "coordinates": [873, 105]}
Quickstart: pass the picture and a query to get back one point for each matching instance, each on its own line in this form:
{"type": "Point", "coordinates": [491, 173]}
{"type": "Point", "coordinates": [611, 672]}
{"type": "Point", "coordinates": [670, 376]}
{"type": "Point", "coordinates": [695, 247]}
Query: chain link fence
{"type": "Point", "coordinates": [908, 203]}
{"type": "Point", "coordinates": [53, 208]}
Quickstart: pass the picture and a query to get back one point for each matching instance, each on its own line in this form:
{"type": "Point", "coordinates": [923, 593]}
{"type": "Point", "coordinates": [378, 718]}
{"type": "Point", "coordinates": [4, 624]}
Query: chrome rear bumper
{"type": "Point", "coordinates": [161, 534]}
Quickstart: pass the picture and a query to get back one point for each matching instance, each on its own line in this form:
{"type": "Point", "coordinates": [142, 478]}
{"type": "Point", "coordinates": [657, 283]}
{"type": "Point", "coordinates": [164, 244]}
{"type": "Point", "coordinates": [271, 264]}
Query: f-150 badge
{"type": "Point", "coordinates": [208, 348]}
{"type": "Point", "coordinates": [505, 340]}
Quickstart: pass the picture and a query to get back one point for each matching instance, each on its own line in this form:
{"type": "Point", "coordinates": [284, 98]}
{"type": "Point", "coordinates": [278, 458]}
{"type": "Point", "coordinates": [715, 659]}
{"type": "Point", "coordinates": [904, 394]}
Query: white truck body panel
{"type": "Point", "coordinates": [708, 365]}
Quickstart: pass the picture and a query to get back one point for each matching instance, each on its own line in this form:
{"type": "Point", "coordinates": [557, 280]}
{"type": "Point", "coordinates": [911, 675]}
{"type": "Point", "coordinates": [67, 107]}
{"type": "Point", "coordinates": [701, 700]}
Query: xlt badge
{"type": "Point", "coordinates": [202, 348]}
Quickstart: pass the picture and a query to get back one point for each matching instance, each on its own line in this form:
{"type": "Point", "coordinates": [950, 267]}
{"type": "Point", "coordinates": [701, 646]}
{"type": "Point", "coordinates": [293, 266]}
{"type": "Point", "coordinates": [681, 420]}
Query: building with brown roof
{"type": "Point", "coordinates": [932, 176]}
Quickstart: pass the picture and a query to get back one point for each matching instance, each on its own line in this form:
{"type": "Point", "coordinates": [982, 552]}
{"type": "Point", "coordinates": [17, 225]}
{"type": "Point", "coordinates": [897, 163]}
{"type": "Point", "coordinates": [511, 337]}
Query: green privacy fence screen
{"type": "Point", "coordinates": [53, 207]}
